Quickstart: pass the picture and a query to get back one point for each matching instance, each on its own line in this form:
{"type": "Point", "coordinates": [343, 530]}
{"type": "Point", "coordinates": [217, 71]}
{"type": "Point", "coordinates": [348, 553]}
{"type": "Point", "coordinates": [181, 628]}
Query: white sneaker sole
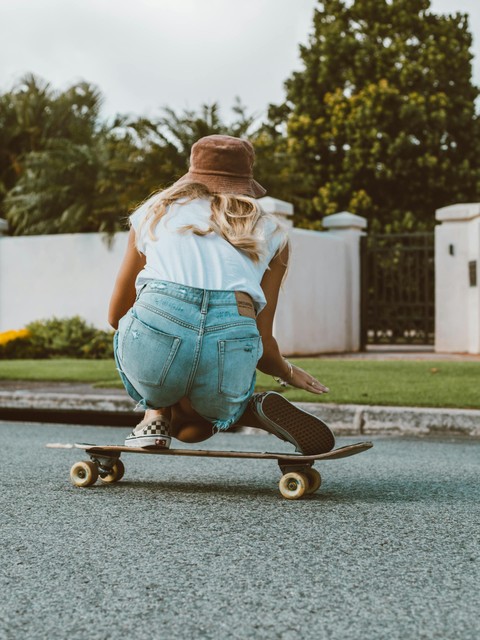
{"type": "Point", "coordinates": [143, 442]}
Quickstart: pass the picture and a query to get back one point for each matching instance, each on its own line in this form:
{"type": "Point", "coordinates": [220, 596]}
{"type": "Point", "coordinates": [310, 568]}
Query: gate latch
{"type": "Point", "coordinates": [472, 273]}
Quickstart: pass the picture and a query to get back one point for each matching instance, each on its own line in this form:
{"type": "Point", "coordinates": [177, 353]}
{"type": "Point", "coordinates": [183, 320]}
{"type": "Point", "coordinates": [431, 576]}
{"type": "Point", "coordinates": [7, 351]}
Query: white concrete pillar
{"type": "Point", "coordinates": [350, 227]}
{"type": "Point", "coordinates": [280, 208]}
{"type": "Point", "coordinates": [457, 287]}
{"type": "Point", "coordinates": [3, 227]}
{"type": "Point", "coordinates": [311, 310]}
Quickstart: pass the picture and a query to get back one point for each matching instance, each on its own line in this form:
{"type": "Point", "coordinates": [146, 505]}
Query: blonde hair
{"type": "Point", "coordinates": [236, 218]}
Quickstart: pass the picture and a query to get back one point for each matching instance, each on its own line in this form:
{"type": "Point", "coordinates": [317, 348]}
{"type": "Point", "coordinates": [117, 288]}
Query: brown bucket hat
{"type": "Point", "coordinates": [225, 165]}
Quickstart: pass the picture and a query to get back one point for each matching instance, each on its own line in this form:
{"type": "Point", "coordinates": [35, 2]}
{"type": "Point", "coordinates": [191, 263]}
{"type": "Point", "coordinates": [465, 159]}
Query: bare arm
{"type": "Point", "coordinates": [123, 295]}
{"type": "Point", "coordinates": [272, 361]}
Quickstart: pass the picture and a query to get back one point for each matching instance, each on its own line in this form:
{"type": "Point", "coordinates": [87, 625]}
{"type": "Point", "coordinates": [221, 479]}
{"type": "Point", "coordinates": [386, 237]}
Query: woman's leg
{"type": "Point", "coordinates": [187, 425]}
{"type": "Point", "coordinates": [153, 414]}
{"type": "Point", "coordinates": [249, 419]}
{"type": "Point", "coordinates": [184, 423]}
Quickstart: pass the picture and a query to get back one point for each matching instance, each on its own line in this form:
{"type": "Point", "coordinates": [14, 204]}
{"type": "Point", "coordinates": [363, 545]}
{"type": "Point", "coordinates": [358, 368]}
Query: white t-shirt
{"type": "Point", "coordinates": [205, 262]}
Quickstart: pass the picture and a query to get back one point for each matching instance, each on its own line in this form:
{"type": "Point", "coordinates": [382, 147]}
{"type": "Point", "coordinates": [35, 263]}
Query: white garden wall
{"type": "Point", "coordinates": [57, 275]}
{"type": "Point", "coordinates": [73, 274]}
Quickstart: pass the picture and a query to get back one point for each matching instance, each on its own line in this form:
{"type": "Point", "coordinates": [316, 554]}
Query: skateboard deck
{"type": "Point", "coordinates": [340, 452]}
{"type": "Point", "coordinates": [298, 477]}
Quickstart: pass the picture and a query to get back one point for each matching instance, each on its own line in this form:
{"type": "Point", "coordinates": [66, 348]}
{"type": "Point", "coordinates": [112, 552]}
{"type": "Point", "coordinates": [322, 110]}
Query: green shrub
{"type": "Point", "coordinates": [100, 346]}
{"type": "Point", "coordinates": [60, 338]}
{"type": "Point", "coordinates": [16, 348]}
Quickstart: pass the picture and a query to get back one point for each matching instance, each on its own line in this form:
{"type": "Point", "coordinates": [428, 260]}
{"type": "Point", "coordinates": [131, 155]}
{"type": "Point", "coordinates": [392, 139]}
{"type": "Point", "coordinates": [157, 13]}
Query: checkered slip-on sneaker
{"type": "Point", "coordinates": [306, 432]}
{"type": "Point", "coordinates": [155, 433]}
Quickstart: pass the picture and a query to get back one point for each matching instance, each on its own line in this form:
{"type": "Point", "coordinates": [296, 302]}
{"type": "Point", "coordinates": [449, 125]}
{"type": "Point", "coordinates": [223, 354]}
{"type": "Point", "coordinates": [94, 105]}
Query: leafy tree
{"type": "Point", "coordinates": [273, 165]}
{"type": "Point", "coordinates": [381, 120]}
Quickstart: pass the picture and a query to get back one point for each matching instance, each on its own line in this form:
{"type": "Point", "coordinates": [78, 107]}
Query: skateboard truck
{"type": "Point", "coordinates": [104, 464]}
{"type": "Point", "coordinates": [288, 467]}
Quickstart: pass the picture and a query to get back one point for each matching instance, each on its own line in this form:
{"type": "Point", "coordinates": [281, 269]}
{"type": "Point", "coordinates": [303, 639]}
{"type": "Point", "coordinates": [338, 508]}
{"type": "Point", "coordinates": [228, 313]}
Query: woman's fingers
{"type": "Point", "coordinates": [306, 381]}
{"type": "Point", "coordinates": [318, 387]}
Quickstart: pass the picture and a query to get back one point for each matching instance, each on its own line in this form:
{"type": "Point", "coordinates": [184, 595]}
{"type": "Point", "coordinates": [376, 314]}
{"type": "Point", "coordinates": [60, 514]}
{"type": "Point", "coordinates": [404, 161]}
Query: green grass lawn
{"type": "Point", "coordinates": [408, 383]}
{"type": "Point", "coordinates": [97, 372]}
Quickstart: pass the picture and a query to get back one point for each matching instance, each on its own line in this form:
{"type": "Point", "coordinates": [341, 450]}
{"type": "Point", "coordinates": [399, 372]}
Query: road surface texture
{"type": "Point", "coordinates": [208, 549]}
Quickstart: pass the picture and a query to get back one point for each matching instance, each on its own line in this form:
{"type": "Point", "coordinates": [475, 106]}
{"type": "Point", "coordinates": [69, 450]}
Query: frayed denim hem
{"type": "Point", "coordinates": [224, 425]}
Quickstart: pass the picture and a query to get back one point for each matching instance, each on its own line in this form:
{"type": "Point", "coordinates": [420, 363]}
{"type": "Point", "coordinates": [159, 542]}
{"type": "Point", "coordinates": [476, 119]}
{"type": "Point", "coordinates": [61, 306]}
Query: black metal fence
{"type": "Point", "coordinates": [398, 279]}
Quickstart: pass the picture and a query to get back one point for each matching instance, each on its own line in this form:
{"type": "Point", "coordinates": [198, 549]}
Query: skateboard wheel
{"type": "Point", "coordinates": [115, 474]}
{"type": "Point", "coordinates": [314, 480]}
{"type": "Point", "coordinates": [84, 474]}
{"type": "Point", "coordinates": [293, 485]}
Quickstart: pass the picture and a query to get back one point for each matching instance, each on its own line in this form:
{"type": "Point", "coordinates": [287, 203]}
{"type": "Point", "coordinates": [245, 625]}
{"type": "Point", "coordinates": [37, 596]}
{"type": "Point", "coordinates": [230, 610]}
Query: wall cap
{"type": "Point", "coordinates": [344, 220]}
{"type": "Point", "coordinates": [276, 206]}
{"type": "Point", "coordinates": [458, 212]}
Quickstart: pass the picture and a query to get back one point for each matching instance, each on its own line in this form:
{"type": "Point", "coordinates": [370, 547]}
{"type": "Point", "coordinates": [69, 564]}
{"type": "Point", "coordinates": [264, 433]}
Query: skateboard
{"type": "Point", "coordinates": [298, 475]}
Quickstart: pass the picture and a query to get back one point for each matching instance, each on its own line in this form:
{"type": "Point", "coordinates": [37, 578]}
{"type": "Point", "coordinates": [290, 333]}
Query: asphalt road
{"type": "Point", "coordinates": [207, 548]}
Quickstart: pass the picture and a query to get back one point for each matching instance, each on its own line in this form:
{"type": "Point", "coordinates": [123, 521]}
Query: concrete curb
{"type": "Point", "coordinates": [359, 420]}
{"type": "Point", "coordinates": [65, 401]}
{"type": "Point", "coordinates": [409, 421]}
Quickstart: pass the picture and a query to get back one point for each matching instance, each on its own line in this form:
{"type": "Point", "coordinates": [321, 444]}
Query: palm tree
{"type": "Point", "coordinates": [63, 170]}
{"type": "Point", "coordinates": [186, 128]}
{"type": "Point", "coordinates": [50, 157]}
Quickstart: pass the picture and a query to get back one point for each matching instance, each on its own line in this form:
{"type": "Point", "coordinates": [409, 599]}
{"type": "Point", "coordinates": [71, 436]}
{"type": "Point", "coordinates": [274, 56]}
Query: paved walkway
{"type": "Point", "coordinates": [409, 352]}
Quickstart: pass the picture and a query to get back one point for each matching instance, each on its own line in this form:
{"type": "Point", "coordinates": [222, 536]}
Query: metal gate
{"type": "Point", "coordinates": [398, 279]}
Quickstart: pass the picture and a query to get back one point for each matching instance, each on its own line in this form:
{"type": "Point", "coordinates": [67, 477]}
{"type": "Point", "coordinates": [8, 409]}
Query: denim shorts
{"type": "Point", "coordinates": [178, 341]}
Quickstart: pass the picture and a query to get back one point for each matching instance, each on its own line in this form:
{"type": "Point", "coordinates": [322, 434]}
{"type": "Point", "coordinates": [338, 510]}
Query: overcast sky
{"type": "Point", "coordinates": [144, 54]}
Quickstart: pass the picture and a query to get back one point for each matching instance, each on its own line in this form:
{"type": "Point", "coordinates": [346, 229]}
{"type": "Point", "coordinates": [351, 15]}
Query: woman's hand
{"type": "Point", "coordinates": [304, 380]}
{"type": "Point", "coordinates": [301, 379]}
